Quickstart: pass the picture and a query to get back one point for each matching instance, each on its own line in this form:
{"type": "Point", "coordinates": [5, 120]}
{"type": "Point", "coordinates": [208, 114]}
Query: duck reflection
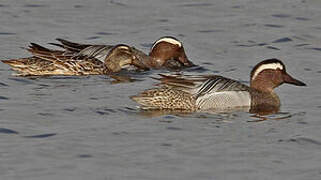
{"type": "Point", "coordinates": [258, 113]}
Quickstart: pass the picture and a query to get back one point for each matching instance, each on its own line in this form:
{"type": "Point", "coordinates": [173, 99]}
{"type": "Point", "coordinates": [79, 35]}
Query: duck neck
{"type": "Point", "coordinates": [262, 85]}
{"type": "Point", "coordinates": [263, 95]}
{"type": "Point", "coordinates": [155, 62]}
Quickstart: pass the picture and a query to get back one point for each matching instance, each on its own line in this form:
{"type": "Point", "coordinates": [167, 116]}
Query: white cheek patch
{"type": "Point", "coordinates": [168, 40]}
{"type": "Point", "coordinates": [263, 67]}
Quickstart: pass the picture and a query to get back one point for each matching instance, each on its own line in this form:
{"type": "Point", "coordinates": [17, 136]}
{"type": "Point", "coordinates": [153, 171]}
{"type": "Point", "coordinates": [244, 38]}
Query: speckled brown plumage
{"type": "Point", "coordinates": [87, 59]}
{"type": "Point", "coordinates": [203, 92]}
{"type": "Point", "coordinates": [165, 98]}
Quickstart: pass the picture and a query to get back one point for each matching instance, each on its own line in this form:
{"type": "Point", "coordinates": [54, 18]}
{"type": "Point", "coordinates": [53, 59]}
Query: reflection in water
{"type": "Point", "coordinates": [276, 116]}
{"type": "Point", "coordinates": [157, 113]}
{"type": "Point", "coordinates": [122, 79]}
{"type": "Point", "coordinates": [259, 113]}
{"type": "Point", "coordinates": [264, 110]}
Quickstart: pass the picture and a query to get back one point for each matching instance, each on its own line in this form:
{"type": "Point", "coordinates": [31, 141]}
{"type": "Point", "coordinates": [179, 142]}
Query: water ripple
{"type": "Point", "coordinates": [314, 48]}
{"type": "Point", "coordinates": [104, 111]}
{"type": "Point", "coordinates": [302, 19]}
{"type": "Point", "coordinates": [7, 33]}
{"type": "Point", "coordinates": [41, 135]}
{"type": "Point", "coordinates": [174, 128]}
{"type": "Point", "coordinates": [70, 109]}
{"type": "Point", "coordinates": [162, 20]}
{"type": "Point", "coordinates": [105, 33]}
{"type": "Point", "coordinates": [281, 15]}
{"type": "Point", "coordinates": [304, 141]}
{"type": "Point", "coordinates": [93, 37]}
{"type": "Point", "coordinates": [22, 80]}
{"type": "Point", "coordinates": [84, 156]}
{"type": "Point", "coordinates": [282, 40]}
{"type": "Point", "coordinates": [273, 25]}
{"type": "Point", "coordinates": [210, 31]}
{"type": "Point", "coordinates": [78, 6]}
{"type": "Point", "coordinates": [301, 45]}
{"type": "Point", "coordinates": [272, 47]}
{"type": "Point", "coordinates": [196, 5]}
{"type": "Point", "coordinates": [35, 5]}
{"type": "Point", "coordinates": [117, 3]}
{"type": "Point", "coordinates": [3, 98]}
{"type": "Point", "coordinates": [8, 131]}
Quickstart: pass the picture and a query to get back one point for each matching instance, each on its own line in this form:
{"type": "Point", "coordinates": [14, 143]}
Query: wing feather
{"type": "Point", "coordinates": [199, 85]}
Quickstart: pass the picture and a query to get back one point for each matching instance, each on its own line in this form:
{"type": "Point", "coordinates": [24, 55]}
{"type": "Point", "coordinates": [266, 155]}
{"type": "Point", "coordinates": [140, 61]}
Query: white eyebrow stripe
{"type": "Point", "coordinates": [123, 47]}
{"type": "Point", "coordinates": [169, 40]}
{"type": "Point", "coordinates": [267, 66]}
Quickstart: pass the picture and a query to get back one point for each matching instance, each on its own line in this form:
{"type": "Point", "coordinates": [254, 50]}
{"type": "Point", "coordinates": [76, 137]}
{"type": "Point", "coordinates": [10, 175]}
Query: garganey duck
{"type": "Point", "coordinates": [87, 59]}
{"type": "Point", "coordinates": [213, 92]}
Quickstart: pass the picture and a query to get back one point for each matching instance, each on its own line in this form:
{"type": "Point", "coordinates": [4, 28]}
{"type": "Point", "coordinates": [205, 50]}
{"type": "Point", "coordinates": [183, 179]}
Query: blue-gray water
{"type": "Point", "coordinates": [87, 128]}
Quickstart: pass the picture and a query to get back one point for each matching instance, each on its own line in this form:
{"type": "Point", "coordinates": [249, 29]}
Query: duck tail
{"type": "Point", "coordinates": [20, 66]}
{"type": "Point", "coordinates": [14, 62]}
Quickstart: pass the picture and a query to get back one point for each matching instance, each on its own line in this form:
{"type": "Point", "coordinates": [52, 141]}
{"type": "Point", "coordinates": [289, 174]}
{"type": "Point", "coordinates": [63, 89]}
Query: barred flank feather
{"type": "Point", "coordinates": [165, 98]}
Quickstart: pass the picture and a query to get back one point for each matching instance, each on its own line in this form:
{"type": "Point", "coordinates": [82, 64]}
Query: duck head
{"type": "Point", "coordinates": [168, 49]}
{"type": "Point", "coordinates": [270, 74]}
{"type": "Point", "coordinates": [121, 57]}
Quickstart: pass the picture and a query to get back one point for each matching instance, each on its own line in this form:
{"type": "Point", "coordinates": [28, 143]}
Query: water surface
{"type": "Point", "coordinates": [88, 128]}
